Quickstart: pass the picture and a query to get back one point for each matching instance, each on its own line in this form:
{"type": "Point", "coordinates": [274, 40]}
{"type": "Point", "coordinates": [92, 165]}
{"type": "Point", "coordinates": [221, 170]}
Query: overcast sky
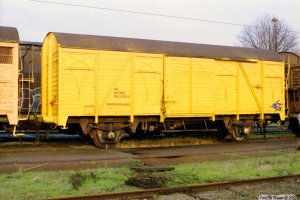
{"type": "Point", "coordinates": [34, 19]}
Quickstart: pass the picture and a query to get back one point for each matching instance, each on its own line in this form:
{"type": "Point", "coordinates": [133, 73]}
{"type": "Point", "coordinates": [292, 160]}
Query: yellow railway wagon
{"type": "Point", "coordinates": [9, 63]}
{"type": "Point", "coordinates": [200, 87]}
{"type": "Point", "coordinates": [108, 85]}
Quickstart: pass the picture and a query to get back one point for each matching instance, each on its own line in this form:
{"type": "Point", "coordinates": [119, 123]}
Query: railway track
{"type": "Point", "coordinates": [188, 141]}
{"type": "Point", "coordinates": [144, 143]}
{"type": "Point", "coordinates": [151, 193]}
{"type": "Point", "coordinates": [54, 157]}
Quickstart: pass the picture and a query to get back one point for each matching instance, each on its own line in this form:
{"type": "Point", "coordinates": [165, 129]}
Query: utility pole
{"type": "Point", "coordinates": [274, 35]}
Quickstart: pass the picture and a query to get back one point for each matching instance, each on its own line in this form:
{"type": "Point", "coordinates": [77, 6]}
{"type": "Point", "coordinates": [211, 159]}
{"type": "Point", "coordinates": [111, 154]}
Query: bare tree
{"type": "Point", "coordinates": [268, 33]}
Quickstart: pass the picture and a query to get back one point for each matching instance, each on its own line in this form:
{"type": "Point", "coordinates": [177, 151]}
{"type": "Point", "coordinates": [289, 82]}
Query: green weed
{"type": "Point", "coordinates": [41, 185]}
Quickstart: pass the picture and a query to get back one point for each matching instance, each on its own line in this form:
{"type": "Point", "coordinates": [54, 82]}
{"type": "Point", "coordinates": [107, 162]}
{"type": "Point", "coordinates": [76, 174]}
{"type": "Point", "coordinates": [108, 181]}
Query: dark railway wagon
{"type": "Point", "coordinates": [292, 77]}
{"type": "Point", "coordinates": [30, 79]}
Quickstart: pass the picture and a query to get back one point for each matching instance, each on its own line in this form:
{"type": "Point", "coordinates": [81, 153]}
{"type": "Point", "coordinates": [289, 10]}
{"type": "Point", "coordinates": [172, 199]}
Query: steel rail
{"type": "Point", "coordinates": [150, 193]}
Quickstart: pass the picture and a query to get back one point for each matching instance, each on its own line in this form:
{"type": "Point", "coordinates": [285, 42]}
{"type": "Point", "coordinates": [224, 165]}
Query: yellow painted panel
{"type": "Point", "coordinates": [202, 86]}
{"type": "Point", "coordinates": [129, 84]}
{"type": "Point", "coordinates": [9, 81]}
{"type": "Point", "coordinates": [177, 83]}
{"type": "Point", "coordinates": [99, 83]}
{"type": "Point", "coordinates": [250, 87]}
{"type": "Point", "coordinates": [114, 83]}
{"type": "Point", "coordinates": [188, 86]}
{"type": "Point", "coordinates": [148, 72]}
{"type": "Point", "coordinates": [225, 87]}
{"type": "Point", "coordinates": [44, 78]}
{"type": "Point", "coordinates": [274, 85]}
{"type": "Point", "coordinates": [199, 87]}
{"type": "Point", "coordinates": [77, 97]}
{"type": "Point", "coordinates": [247, 100]}
{"type": "Point", "coordinates": [50, 81]}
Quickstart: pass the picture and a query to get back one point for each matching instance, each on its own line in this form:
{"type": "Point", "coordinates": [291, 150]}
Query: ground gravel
{"type": "Point", "coordinates": [245, 192]}
{"type": "Point", "coordinates": [176, 196]}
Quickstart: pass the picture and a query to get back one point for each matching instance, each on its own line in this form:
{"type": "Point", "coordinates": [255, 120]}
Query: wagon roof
{"type": "Point", "coordinates": [289, 52]}
{"type": "Point", "coordinates": [166, 47]}
{"type": "Point", "coordinates": [9, 34]}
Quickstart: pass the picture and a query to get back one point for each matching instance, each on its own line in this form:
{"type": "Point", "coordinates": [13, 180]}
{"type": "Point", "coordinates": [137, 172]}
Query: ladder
{"type": "Point", "coordinates": [287, 85]}
{"type": "Point", "coordinates": [26, 78]}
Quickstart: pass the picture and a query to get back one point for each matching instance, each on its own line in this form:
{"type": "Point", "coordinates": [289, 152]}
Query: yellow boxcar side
{"type": "Point", "coordinates": [274, 93]}
{"type": "Point", "coordinates": [188, 87]}
{"type": "Point", "coordinates": [76, 83]}
{"type": "Point", "coordinates": [113, 83]}
{"type": "Point", "coordinates": [148, 73]}
{"type": "Point", "coordinates": [249, 87]}
{"type": "Point", "coordinates": [9, 63]}
{"type": "Point", "coordinates": [97, 83]}
{"type": "Point", "coordinates": [109, 85]}
{"type": "Point", "coordinates": [205, 87]}
{"type": "Point", "coordinates": [79, 82]}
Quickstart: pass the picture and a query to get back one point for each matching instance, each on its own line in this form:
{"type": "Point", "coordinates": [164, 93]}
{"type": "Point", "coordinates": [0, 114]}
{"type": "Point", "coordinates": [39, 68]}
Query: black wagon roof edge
{"type": "Point", "coordinates": [169, 48]}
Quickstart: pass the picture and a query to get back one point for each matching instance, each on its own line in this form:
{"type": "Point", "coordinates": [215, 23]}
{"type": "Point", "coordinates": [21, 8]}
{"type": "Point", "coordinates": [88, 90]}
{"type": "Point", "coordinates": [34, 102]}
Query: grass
{"type": "Point", "coordinates": [41, 185]}
{"type": "Point", "coordinates": [242, 168]}
{"type": "Point", "coordinates": [38, 185]}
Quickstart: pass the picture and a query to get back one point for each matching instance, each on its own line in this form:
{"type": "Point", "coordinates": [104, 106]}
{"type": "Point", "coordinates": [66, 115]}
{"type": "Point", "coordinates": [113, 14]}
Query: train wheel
{"type": "Point", "coordinates": [240, 132]}
{"type": "Point", "coordinates": [104, 140]}
{"type": "Point", "coordinates": [98, 136]}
